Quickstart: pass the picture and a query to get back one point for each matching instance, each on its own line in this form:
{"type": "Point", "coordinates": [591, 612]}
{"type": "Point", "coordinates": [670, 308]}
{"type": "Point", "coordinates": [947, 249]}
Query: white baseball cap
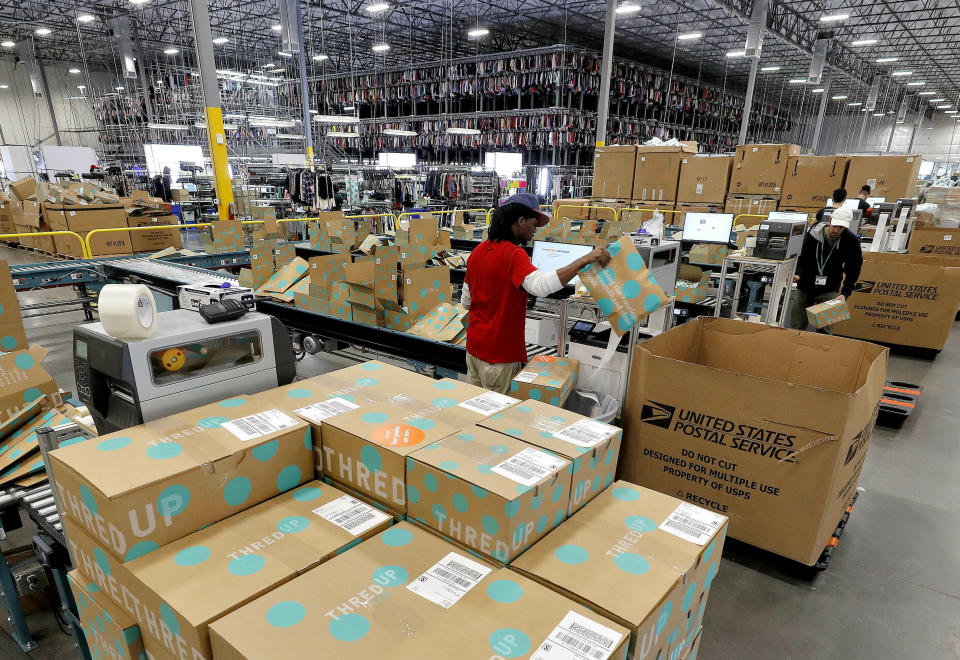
{"type": "Point", "coordinates": [842, 217]}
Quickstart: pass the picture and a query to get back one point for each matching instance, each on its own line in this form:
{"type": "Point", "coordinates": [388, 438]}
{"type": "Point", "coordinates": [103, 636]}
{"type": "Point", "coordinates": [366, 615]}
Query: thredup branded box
{"type": "Point", "coordinates": [200, 578]}
{"type": "Point", "coordinates": [782, 457]}
{"type": "Point", "coordinates": [644, 559]}
{"type": "Point", "coordinates": [408, 594]}
{"type": "Point", "coordinates": [489, 491]}
{"type": "Point", "coordinates": [591, 446]}
{"type": "Point", "coordinates": [109, 630]}
{"type": "Point", "coordinates": [148, 485]}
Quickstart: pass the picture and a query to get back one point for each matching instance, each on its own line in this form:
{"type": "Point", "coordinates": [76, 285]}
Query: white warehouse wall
{"type": "Point", "coordinates": [937, 139]}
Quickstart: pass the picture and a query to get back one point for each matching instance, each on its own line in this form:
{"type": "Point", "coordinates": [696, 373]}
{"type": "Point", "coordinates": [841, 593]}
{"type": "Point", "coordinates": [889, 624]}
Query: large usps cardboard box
{"type": "Point", "coordinates": [904, 299]}
{"type": "Point", "coordinates": [782, 457]}
{"type": "Point", "coordinates": [644, 559]}
{"type": "Point", "coordinates": [201, 577]}
{"type": "Point", "coordinates": [148, 485]}
{"type": "Point", "coordinates": [591, 446]}
{"type": "Point", "coordinates": [935, 242]}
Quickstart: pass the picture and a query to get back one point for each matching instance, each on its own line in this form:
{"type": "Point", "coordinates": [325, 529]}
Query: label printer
{"type": "Point", "coordinates": [185, 363]}
{"type": "Point", "coordinates": [780, 236]}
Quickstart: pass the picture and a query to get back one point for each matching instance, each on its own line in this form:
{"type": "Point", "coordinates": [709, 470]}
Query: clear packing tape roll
{"type": "Point", "coordinates": [127, 311]}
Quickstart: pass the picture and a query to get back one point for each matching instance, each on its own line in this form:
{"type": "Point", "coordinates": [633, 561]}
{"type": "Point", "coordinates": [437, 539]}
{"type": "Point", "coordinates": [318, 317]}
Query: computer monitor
{"type": "Point", "coordinates": [852, 204]}
{"type": "Point", "coordinates": [548, 255]}
{"type": "Point", "coordinates": [872, 201]}
{"type": "Point", "coordinates": [787, 216]}
{"type": "Point", "coordinates": [708, 227]}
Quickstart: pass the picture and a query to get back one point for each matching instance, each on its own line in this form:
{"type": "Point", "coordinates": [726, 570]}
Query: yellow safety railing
{"type": "Point", "coordinates": [114, 230]}
{"type": "Point", "coordinates": [620, 212]}
{"type": "Point", "coordinates": [486, 213]}
{"type": "Point", "coordinates": [84, 249]}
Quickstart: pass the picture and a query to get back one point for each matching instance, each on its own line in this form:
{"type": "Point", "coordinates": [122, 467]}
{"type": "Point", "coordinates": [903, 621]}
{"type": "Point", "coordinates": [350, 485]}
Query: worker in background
{"type": "Point", "coordinates": [839, 196]}
{"type": "Point", "coordinates": [828, 266]}
{"type": "Point", "coordinates": [863, 204]}
{"type": "Point", "coordinates": [499, 277]}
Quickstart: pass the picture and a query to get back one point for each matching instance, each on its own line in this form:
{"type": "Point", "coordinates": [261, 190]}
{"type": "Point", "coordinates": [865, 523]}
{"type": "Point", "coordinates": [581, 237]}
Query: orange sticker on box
{"type": "Point", "coordinates": [398, 435]}
{"type": "Point", "coordinates": [544, 358]}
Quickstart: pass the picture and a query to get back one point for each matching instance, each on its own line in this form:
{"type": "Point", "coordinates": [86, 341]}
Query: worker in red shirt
{"type": "Point", "coordinates": [499, 277]}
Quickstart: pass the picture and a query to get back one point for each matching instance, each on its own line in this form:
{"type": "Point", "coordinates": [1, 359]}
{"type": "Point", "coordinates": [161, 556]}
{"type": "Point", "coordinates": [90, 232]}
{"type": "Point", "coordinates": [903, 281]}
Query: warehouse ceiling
{"type": "Point", "coordinates": [920, 35]}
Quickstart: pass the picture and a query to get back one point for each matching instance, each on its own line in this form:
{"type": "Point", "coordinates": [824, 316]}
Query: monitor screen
{"type": "Point", "coordinates": [708, 227]}
{"type": "Point", "coordinates": [852, 204]}
{"type": "Point", "coordinates": [787, 216]}
{"type": "Point", "coordinates": [876, 200]}
{"type": "Point", "coordinates": [553, 256]}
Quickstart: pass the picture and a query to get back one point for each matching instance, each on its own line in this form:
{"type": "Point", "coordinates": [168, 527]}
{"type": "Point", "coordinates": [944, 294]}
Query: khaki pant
{"type": "Point", "coordinates": [802, 300]}
{"type": "Point", "coordinates": [494, 377]}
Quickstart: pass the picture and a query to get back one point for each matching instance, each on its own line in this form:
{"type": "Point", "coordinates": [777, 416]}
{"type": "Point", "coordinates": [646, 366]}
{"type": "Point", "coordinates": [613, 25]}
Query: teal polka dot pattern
{"type": "Point", "coordinates": [196, 554]}
{"type": "Point", "coordinates": [522, 488]}
{"type": "Point", "coordinates": [169, 618]}
{"type": "Point", "coordinates": [625, 494]}
{"type": "Point", "coordinates": [631, 562]}
{"type": "Point", "coordinates": [444, 402]}
{"type": "Point", "coordinates": [113, 444]}
{"type": "Point", "coordinates": [173, 500]}
{"type": "Point", "coordinates": [444, 385]}
{"type": "Point", "coordinates": [86, 496]}
{"type": "Point", "coordinates": [390, 576]}
{"type": "Point", "coordinates": [572, 554]}
{"type": "Point", "coordinates": [536, 501]}
{"type": "Point", "coordinates": [535, 394]}
{"type": "Point", "coordinates": [100, 557]}
{"type": "Point", "coordinates": [460, 502]}
{"type": "Point", "coordinates": [237, 491]}
{"type": "Point", "coordinates": [504, 591]}
{"type": "Point", "coordinates": [396, 537]}
{"type": "Point", "coordinates": [299, 393]}
{"type": "Point", "coordinates": [422, 423]}
{"type": "Point", "coordinates": [499, 449]}
{"type": "Point", "coordinates": [371, 458]}
{"type": "Point", "coordinates": [32, 394]}
{"type": "Point", "coordinates": [232, 403]}
{"type": "Point", "coordinates": [635, 261]}
{"type": "Point", "coordinates": [286, 614]}
{"type": "Point", "coordinates": [8, 342]}
{"type": "Point", "coordinates": [267, 450]}
{"type": "Point", "coordinates": [541, 524]}
{"type": "Point", "coordinates": [246, 565]}
{"type": "Point", "coordinates": [558, 517]}
{"type": "Point", "coordinates": [483, 468]}
{"type": "Point", "coordinates": [292, 524]}
{"type": "Point", "coordinates": [439, 512]}
{"type": "Point", "coordinates": [509, 642]}
{"type": "Point", "coordinates": [613, 249]}
{"type": "Point", "coordinates": [430, 483]}
{"type": "Point", "coordinates": [211, 422]}
{"type": "Point", "coordinates": [307, 439]}
{"type": "Point", "coordinates": [374, 417]}
{"type": "Point", "coordinates": [515, 432]}
{"type": "Point", "coordinates": [511, 508]}
{"type": "Point", "coordinates": [288, 478]}
{"type": "Point", "coordinates": [664, 617]}
{"type": "Point", "coordinates": [490, 525]}
{"type": "Point", "coordinates": [24, 361]}
{"type": "Point", "coordinates": [349, 627]}
{"type": "Point", "coordinates": [631, 289]}
{"type": "Point", "coordinates": [478, 492]}
{"type": "Point", "coordinates": [164, 451]}
{"type": "Point", "coordinates": [448, 466]}
{"type": "Point", "coordinates": [140, 549]}
{"type": "Point", "coordinates": [628, 320]}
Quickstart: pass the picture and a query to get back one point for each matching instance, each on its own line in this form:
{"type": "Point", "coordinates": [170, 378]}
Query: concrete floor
{"type": "Point", "coordinates": [893, 586]}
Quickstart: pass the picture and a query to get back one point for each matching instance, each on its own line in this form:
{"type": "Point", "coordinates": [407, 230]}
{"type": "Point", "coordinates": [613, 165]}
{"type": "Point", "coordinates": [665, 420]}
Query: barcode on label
{"type": "Point", "coordinates": [577, 637]}
{"type": "Point", "coordinates": [488, 403]}
{"type": "Point", "coordinates": [317, 412]}
{"type": "Point", "coordinates": [586, 432]}
{"type": "Point", "coordinates": [525, 377]}
{"type": "Point", "coordinates": [453, 577]}
{"type": "Point", "coordinates": [464, 570]}
{"type": "Point", "coordinates": [449, 579]}
{"type": "Point", "coordinates": [692, 523]}
{"type": "Point", "coordinates": [528, 466]}
{"type": "Point", "coordinates": [259, 424]}
{"type": "Point", "coordinates": [351, 514]}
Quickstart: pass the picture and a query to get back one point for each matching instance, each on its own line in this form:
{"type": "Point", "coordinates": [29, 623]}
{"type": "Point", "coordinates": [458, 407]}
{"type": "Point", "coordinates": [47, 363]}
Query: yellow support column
{"type": "Point", "coordinates": [218, 157]}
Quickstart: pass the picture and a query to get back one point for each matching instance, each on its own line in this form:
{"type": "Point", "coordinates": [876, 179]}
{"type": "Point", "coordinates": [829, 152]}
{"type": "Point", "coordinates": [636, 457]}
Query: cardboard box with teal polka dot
{"type": "Point", "coordinates": [24, 379]}
{"type": "Point", "coordinates": [339, 306]}
{"type": "Point", "coordinates": [645, 559]}
{"type": "Point", "coordinates": [12, 335]}
{"type": "Point", "coordinates": [625, 289]}
{"type": "Point", "coordinates": [705, 254]}
{"type": "Point", "coordinates": [591, 446]}
{"type": "Point", "coordinates": [546, 378]}
{"type": "Point", "coordinates": [828, 313]}
{"type": "Point", "coordinates": [491, 492]}
{"type": "Point", "coordinates": [234, 561]}
{"type": "Point", "coordinates": [143, 487]}
{"type": "Point", "coordinates": [365, 448]}
{"type": "Point", "coordinates": [110, 632]}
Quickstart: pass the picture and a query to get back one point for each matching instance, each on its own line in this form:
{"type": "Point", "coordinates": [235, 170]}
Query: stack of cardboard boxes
{"type": "Point", "coordinates": [493, 525]}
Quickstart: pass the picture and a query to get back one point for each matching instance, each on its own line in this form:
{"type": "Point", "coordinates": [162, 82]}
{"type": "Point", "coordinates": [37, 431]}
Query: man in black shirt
{"type": "Point", "coordinates": [828, 266]}
{"type": "Point", "coordinates": [863, 204]}
{"type": "Point", "coordinates": [839, 196]}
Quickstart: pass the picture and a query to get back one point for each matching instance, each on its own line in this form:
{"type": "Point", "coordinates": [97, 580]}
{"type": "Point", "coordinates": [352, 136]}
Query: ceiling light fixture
{"type": "Point", "coordinates": [877, 114]}
{"type": "Point", "coordinates": [926, 93]}
{"type": "Point", "coordinates": [736, 53]}
{"type": "Point", "coordinates": [936, 100]}
{"type": "Point", "coordinates": [220, 40]}
{"type": "Point", "coordinates": [900, 74]}
{"type": "Point", "coordinates": [336, 119]}
{"type": "Point", "coordinates": [81, 87]}
{"type": "Point", "coordinates": [949, 112]}
{"type": "Point", "coordinates": [479, 32]}
{"type": "Point", "coordinates": [839, 97]}
{"type": "Point", "coordinates": [276, 28]}
{"type": "Point", "coordinates": [342, 134]}
{"type": "Point", "coordinates": [818, 90]}
{"type": "Point", "coordinates": [769, 68]}
{"type": "Point", "coordinates": [86, 18]}
{"type": "Point", "coordinates": [139, 2]}
{"type": "Point", "coordinates": [833, 18]}
{"type": "Point", "coordinates": [320, 57]}
{"type": "Point", "coordinates": [4, 86]}
{"type": "Point", "coordinates": [456, 130]}
{"type": "Point", "coordinates": [943, 107]}
{"type": "Point", "coordinates": [797, 81]}
{"type": "Point", "coordinates": [348, 108]}
{"type": "Point", "coordinates": [171, 51]}
{"type": "Point", "coordinates": [74, 70]}
{"type": "Point", "coordinates": [863, 42]}
{"type": "Point", "coordinates": [378, 7]}
{"type": "Point", "coordinates": [885, 60]}
{"type": "Point", "coordinates": [272, 123]}
{"type": "Point", "coordinates": [7, 44]}
{"type": "Point", "coordinates": [399, 132]}
{"type": "Point", "coordinates": [690, 36]}
{"type": "Point", "coordinates": [274, 72]}
{"type": "Point", "coordinates": [42, 32]}
{"type": "Point", "coordinates": [916, 83]}
{"type": "Point", "coordinates": [168, 127]}
{"type": "Point", "coordinates": [854, 105]}
{"type": "Point", "coordinates": [119, 89]}
{"type": "Point", "coordinates": [226, 127]}
{"type": "Point", "coordinates": [627, 8]}
{"type": "Point", "coordinates": [283, 53]}
{"type": "Point", "coordinates": [380, 48]}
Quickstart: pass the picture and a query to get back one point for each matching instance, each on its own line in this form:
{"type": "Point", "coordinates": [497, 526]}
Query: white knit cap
{"type": "Point", "coordinates": [841, 217]}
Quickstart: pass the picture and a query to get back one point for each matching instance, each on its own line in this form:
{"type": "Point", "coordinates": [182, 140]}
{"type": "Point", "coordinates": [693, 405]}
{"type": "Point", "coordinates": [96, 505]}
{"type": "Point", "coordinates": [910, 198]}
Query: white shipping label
{"type": "Point", "coordinates": [699, 187]}
{"type": "Point", "coordinates": [317, 412]}
{"type": "Point", "coordinates": [947, 237]}
{"type": "Point", "coordinates": [586, 432]}
{"type": "Point", "coordinates": [692, 523]}
{"type": "Point", "coordinates": [489, 403]}
{"type": "Point", "coordinates": [351, 514]}
{"type": "Point", "coordinates": [578, 638]}
{"type": "Point", "coordinates": [526, 377]}
{"type": "Point", "coordinates": [259, 424]}
{"type": "Point", "coordinates": [529, 466]}
{"type": "Point", "coordinates": [449, 580]}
